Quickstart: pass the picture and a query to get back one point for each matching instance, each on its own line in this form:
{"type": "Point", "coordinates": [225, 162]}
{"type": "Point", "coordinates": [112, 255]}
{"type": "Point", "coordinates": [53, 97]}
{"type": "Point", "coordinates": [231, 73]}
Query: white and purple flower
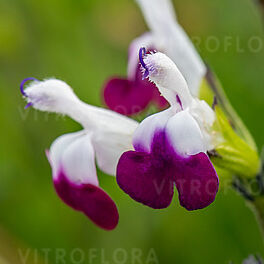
{"type": "Point", "coordinates": [105, 136]}
{"type": "Point", "coordinates": [170, 147]}
{"type": "Point", "coordinates": [132, 95]}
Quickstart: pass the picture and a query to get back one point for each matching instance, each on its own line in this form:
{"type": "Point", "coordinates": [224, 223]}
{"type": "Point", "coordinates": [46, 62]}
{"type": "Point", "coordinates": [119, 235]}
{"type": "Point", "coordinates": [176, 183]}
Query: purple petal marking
{"type": "Point", "coordinates": [89, 199]}
{"type": "Point", "coordinates": [23, 83]}
{"type": "Point", "coordinates": [149, 177]}
{"type": "Point", "coordinates": [179, 101]}
{"type": "Point", "coordinates": [142, 53]}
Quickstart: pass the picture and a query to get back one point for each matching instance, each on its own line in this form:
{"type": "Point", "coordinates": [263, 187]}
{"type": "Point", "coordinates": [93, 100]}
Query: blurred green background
{"type": "Point", "coordinates": [84, 42]}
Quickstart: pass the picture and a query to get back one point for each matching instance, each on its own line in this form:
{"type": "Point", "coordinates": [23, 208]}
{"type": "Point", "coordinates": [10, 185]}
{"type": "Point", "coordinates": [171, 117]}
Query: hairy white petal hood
{"type": "Point", "coordinates": [167, 77]}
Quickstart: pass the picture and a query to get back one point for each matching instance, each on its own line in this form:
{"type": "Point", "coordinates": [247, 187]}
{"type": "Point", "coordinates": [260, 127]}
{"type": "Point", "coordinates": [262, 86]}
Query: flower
{"type": "Point", "coordinates": [132, 95]}
{"type": "Point", "coordinates": [236, 154]}
{"type": "Point", "coordinates": [170, 146]}
{"type": "Point", "coordinates": [105, 136]}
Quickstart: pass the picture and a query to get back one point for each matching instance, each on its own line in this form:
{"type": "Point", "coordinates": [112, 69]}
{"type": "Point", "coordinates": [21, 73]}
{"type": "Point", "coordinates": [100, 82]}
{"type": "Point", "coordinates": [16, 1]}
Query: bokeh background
{"type": "Point", "coordinates": [84, 42]}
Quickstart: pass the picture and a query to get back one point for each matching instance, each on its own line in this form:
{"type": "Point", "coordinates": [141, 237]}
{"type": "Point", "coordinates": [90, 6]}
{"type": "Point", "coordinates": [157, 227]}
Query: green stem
{"type": "Point", "coordinates": [257, 207]}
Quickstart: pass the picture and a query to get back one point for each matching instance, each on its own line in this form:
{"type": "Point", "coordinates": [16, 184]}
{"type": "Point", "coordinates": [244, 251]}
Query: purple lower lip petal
{"type": "Point", "coordinates": [122, 95]}
{"type": "Point", "coordinates": [198, 183]}
{"type": "Point", "coordinates": [93, 201]}
{"type": "Point", "coordinates": [23, 83]}
{"type": "Point", "coordinates": [146, 177]}
{"type": "Point", "coordinates": [143, 181]}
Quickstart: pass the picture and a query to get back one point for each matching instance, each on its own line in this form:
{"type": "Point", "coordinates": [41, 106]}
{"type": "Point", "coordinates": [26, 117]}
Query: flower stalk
{"type": "Point", "coordinates": [257, 204]}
